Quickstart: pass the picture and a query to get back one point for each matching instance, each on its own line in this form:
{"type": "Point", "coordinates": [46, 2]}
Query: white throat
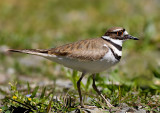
{"type": "Point", "coordinates": [116, 41]}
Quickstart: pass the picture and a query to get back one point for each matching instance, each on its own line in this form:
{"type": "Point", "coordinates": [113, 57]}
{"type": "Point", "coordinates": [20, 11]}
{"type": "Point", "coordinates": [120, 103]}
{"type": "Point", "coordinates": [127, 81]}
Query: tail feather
{"type": "Point", "coordinates": [39, 52]}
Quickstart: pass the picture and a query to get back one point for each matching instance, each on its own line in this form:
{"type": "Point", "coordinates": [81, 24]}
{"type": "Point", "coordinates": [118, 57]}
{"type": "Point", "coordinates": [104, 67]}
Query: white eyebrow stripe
{"type": "Point", "coordinates": [117, 30]}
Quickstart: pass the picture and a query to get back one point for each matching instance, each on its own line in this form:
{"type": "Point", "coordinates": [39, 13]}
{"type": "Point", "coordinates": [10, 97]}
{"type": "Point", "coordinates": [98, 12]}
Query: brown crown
{"type": "Point", "coordinates": [115, 32]}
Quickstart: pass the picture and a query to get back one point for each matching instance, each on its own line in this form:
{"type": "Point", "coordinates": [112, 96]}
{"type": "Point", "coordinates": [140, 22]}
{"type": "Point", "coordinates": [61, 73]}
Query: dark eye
{"type": "Point", "coordinates": [119, 33]}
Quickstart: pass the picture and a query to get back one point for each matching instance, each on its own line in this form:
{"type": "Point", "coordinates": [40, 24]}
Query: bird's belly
{"type": "Point", "coordinates": [85, 66]}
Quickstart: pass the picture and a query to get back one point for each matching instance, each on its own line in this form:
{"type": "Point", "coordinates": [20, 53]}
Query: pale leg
{"type": "Point", "coordinates": [99, 93]}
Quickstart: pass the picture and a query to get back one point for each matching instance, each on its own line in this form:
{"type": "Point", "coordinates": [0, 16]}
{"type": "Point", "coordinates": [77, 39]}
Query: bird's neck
{"type": "Point", "coordinates": [116, 43]}
{"type": "Point", "coordinates": [113, 41]}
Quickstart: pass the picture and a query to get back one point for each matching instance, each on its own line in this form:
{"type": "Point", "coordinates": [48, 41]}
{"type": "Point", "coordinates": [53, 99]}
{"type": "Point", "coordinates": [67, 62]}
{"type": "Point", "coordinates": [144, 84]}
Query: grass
{"type": "Point", "coordinates": [38, 100]}
{"type": "Point", "coordinates": [50, 23]}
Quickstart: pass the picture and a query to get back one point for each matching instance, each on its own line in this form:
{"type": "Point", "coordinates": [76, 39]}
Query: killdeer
{"type": "Point", "coordinates": [87, 56]}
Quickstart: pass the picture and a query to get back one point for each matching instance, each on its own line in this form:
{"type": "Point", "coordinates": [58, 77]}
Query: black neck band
{"type": "Point", "coordinates": [114, 44]}
{"type": "Point", "coordinates": [115, 55]}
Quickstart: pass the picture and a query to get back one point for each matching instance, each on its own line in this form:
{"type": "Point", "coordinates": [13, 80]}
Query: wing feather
{"type": "Point", "coordinates": [91, 49]}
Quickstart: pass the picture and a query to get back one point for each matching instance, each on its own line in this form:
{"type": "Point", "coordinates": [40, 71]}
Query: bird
{"type": "Point", "coordinates": [90, 56]}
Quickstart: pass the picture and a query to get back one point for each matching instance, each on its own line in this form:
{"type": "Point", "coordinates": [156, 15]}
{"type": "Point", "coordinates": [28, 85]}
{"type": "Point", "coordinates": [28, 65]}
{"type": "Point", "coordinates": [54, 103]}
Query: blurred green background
{"type": "Point", "coordinates": [48, 23]}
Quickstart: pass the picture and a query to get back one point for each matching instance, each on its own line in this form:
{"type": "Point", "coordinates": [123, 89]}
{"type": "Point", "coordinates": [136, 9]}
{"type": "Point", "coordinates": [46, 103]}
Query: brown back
{"type": "Point", "coordinates": [91, 49]}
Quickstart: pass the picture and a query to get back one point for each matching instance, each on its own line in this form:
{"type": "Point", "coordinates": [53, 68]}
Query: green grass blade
{"type": "Point", "coordinates": [34, 92]}
{"type": "Point", "coordinates": [43, 92]}
{"type": "Point", "coordinates": [28, 87]}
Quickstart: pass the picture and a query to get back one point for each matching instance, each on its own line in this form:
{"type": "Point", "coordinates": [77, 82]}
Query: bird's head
{"type": "Point", "coordinates": [118, 33]}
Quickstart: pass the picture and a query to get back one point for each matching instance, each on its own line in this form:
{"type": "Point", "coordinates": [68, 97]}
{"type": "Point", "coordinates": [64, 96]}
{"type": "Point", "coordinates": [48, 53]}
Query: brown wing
{"type": "Point", "coordinates": [91, 49]}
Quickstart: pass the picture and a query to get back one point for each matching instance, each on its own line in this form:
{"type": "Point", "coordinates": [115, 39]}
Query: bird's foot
{"type": "Point", "coordinates": [87, 107]}
{"type": "Point", "coordinates": [109, 104]}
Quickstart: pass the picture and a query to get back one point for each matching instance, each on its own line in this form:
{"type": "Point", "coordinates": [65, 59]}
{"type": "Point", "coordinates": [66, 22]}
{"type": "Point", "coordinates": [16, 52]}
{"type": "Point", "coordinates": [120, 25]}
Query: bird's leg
{"type": "Point", "coordinates": [79, 89]}
{"type": "Point", "coordinates": [99, 93]}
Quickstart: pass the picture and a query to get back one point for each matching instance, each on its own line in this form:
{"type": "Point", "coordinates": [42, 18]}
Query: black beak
{"type": "Point", "coordinates": [131, 37]}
